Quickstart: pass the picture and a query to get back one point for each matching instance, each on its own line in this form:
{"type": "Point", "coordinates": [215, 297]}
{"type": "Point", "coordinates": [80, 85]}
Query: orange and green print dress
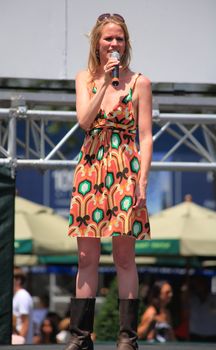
{"type": "Point", "coordinates": [105, 178]}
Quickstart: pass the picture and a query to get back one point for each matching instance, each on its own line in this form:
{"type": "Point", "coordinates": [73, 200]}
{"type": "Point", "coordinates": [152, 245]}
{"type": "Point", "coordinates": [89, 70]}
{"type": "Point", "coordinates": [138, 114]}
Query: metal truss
{"type": "Point", "coordinates": [37, 149]}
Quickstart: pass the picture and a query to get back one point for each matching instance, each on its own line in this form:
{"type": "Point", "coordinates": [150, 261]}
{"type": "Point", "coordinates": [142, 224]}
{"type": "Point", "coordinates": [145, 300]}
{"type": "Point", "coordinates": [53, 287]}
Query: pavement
{"type": "Point", "coordinates": [112, 346]}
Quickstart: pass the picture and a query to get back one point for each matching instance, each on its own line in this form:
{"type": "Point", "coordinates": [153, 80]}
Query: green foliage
{"type": "Point", "coordinates": [107, 320]}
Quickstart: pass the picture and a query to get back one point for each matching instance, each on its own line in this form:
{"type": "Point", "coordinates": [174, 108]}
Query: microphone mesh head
{"type": "Point", "coordinates": [115, 54]}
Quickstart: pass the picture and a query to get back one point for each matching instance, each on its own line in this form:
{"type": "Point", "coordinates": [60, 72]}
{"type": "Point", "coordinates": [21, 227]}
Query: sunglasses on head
{"type": "Point", "coordinates": [104, 16]}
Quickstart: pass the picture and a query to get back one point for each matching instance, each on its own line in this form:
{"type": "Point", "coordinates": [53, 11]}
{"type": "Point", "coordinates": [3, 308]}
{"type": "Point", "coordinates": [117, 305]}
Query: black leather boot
{"type": "Point", "coordinates": [128, 315]}
{"type": "Point", "coordinates": [81, 324]}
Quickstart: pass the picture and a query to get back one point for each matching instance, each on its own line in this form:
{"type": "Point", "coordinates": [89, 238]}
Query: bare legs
{"type": "Point", "coordinates": [82, 307]}
{"type": "Point", "coordinates": [124, 258]}
{"type": "Point", "coordinates": [87, 276]}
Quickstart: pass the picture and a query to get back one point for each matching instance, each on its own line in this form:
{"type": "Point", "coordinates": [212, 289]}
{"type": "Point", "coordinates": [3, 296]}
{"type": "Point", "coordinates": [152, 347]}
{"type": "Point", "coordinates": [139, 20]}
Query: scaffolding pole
{"type": "Point", "coordinates": [181, 126]}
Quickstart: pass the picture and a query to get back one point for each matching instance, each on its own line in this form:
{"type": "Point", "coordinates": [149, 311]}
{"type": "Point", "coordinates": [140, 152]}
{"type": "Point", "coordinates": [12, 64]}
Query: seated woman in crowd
{"type": "Point", "coordinates": [156, 322]}
{"type": "Point", "coordinates": [48, 332]}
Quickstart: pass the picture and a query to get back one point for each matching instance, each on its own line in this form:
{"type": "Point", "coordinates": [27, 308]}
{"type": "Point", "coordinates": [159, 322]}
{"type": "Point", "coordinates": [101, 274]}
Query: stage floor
{"type": "Point", "coordinates": [112, 346]}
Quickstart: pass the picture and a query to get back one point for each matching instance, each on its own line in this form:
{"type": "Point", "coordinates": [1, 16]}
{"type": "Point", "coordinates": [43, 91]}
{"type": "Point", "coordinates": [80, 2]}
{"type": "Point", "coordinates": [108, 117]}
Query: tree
{"type": "Point", "coordinates": [107, 320]}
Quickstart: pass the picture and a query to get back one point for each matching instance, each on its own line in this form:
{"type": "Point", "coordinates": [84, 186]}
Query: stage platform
{"type": "Point", "coordinates": [112, 346]}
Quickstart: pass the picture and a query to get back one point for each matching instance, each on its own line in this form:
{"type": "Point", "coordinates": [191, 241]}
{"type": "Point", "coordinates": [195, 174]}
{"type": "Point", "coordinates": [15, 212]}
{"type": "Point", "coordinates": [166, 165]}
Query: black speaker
{"type": "Point", "coordinates": [7, 203]}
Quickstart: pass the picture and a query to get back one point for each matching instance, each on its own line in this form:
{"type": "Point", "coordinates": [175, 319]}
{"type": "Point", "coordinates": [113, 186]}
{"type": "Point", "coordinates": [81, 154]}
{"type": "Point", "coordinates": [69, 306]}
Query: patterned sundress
{"type": "Point", "coordinates": [105, 178]}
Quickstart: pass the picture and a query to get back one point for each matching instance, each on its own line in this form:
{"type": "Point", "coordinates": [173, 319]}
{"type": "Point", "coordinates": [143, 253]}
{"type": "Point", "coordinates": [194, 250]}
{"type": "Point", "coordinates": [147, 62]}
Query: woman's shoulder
{"type": "Point", "coordinates": [138, 75]}
{"type": "Point", "coordinates": [143, 86]}
{"type": "Point", "coordinates": [143, 80]}
{"type": "Point", "coordinates": [150, 311]}
{"type": "Point", "coordinates": [83, 75]}
{"type": "Point", "coordinates": [84, 80]}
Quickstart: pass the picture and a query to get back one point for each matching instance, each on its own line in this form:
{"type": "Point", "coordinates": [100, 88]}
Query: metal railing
{"type": "Point", "coordinates": [36, 140]}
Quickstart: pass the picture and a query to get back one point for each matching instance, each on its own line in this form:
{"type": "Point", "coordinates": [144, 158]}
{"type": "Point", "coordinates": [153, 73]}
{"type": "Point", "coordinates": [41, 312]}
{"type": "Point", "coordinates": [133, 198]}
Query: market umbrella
{"type": "Point", "coordinates": [186, 229]}
{"type": "Point", "coordinates": [190, 228]}
{"type": "Point", "coordinates": [40, 237]}
{"type": "Point", "coordinates": [41, 233]}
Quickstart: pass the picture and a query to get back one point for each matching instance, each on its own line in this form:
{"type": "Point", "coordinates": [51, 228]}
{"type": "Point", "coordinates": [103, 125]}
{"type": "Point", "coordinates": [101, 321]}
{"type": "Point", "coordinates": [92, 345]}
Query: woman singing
{"type": "Point", "coordinates": [110, 180]}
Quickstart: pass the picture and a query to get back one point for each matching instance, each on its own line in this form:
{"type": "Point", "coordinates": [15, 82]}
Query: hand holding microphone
{"type": "Point", "coordinates": [111, 68]}
{"type": "Point", "coordinates": [115, 70]}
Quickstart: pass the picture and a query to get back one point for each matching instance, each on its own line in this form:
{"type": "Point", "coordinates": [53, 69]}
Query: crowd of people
{"type": "Point", "coordinates": [35, 325]}
{"type": "Point", "coordinates": [186, 314]}
{"type": "Point", "coordinates": [196, 319]}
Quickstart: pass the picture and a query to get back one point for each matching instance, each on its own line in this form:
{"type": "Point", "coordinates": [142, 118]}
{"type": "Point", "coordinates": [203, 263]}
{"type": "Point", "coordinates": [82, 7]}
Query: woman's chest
{"type": "Point", "coordinates": [162, 317]}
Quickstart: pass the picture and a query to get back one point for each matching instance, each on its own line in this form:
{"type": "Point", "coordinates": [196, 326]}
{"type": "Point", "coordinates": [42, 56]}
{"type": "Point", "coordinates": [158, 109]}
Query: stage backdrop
{"type": "Point", "coordinates": [7, 194]}
{"type": "Point", "coordinates": [172, 40]}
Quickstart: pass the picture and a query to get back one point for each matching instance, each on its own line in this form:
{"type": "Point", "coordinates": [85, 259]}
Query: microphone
{"type": "Point", "coordinates": [115, 71]}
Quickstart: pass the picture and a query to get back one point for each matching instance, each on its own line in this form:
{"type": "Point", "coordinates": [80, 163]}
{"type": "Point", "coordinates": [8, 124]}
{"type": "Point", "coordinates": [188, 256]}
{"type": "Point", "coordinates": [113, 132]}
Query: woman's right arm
{"type": "Point", "coordinates": [87, 107]}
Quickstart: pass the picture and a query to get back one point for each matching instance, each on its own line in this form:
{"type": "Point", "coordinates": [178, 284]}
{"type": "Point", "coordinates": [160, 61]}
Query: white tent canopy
{"type": "Point", "coordinates": [190, 224]}
{"type": "Point", "coordinates": [40, 231]}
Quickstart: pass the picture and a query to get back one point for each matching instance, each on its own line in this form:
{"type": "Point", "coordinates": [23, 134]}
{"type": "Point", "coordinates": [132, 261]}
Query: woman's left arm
{"type": "Point", "coordinates": [145, 136]}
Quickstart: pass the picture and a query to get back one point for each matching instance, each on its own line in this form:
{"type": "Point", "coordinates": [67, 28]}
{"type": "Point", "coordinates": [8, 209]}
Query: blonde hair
{"type": "Point", "coordinates": [94, 60]}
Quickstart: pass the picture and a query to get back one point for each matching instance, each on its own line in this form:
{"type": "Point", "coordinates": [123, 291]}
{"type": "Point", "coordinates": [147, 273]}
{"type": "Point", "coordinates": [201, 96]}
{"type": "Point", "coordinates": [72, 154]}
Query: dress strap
{"type": "Point", "coordinates": [134, 84]}
{"type": "Point", "coordinates": [94, 87]}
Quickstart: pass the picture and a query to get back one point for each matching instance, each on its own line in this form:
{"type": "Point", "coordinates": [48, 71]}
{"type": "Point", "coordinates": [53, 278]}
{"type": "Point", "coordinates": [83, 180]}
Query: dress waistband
{"type": "Point", "coordinates": [96, 131]}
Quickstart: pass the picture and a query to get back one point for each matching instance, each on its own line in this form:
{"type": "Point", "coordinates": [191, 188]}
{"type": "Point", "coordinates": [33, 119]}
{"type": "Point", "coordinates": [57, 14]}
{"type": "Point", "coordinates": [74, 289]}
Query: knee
{"type": "Point", "coordinates": [124, 252]}
{"type": "Point", "coordinates": [88, 260]}
{"type": "Point", "coordinates": [123, 261]}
